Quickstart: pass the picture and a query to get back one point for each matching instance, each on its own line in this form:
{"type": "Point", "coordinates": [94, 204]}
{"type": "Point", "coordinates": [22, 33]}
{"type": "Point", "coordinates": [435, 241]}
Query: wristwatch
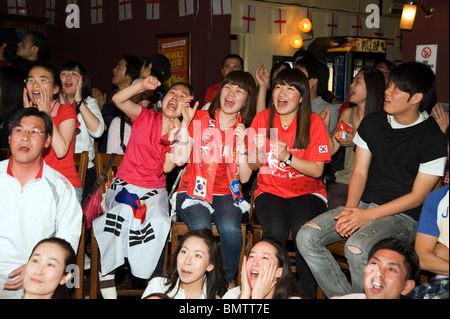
{"type": "Point", "coordinates": [289, 160]}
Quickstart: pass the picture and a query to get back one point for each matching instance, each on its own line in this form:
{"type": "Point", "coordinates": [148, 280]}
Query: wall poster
{"type": "Point", "coordinates": [177, 48]}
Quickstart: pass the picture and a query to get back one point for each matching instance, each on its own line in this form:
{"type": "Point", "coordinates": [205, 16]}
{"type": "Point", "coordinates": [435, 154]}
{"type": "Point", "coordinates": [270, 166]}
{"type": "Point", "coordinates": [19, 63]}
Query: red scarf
{"type": "Point", "coordinates": [208, 151]}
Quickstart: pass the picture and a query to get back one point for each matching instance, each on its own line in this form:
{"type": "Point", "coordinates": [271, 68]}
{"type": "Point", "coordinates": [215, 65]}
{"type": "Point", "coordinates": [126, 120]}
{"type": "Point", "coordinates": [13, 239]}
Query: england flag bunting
{"type": "Point", "coordinates": [279, 24]}
{"type": "Point", "coordinates": [152, 9]}
{"type": "Point", "coordinates": [185, 7]}
{"type": "Point", "coordinates": [248, 18]}
{"type": "Point", "coordinates": [17, 7]}
{"type": "Point", "coordinates": [221, 7]}
{"type": "Point", "coordinates": [332, 26]}
{"type": "Point", "coordinates": [125, 10]}
{"type": "Point", "coordinates": [356, 26]}
{"type": "Point", "coordinates": [50, 11]}
{"type": "Point", "coordinates": [96, 11]}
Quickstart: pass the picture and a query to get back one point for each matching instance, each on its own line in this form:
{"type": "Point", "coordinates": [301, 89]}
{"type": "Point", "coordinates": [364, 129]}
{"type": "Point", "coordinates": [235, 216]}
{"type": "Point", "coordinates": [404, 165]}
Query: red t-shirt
{"type": "Point", "coordinates": [211, 92]}
{"type": "Point", "coordinates": [280, 179]}
{"type": "Point", "coordinates": [141, 162]}
{"type": "Point", "coordinates": [66, 165]}
{"type": "Point", "coordinates": [221, 183]}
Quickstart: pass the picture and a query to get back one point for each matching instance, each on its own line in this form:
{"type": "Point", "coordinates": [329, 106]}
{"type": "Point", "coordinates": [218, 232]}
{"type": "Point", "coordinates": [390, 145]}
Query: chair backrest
{"type": "Point", "coordinates": [81, 163]}
{"type": "Point", "coordinates": [100, 161]}
{"type": "Point", "coordinates": [5, 153]}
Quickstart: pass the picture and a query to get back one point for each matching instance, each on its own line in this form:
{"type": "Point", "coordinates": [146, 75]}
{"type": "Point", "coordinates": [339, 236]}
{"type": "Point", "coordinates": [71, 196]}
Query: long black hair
{"type": "Point", "coordinates": [216, 284]}
{"type": "Point", "coordinates": [86, 88]}
{"type": "Point", "coordinates": [286, 286]}
{"type": "Point", "coordinates": [297, 79]}
{"type": "Point", "coordinates": [245, 81]}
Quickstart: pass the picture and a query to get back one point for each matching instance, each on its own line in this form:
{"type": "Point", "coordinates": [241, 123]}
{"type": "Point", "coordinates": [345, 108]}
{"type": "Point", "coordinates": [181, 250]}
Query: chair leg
{"type": "Point", "coordinates": [79, 289]}
{"type": "Point", "coordinates": [95, 260]}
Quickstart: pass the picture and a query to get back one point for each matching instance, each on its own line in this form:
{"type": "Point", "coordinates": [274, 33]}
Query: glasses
{"type": "Point", "coordinates": [32, 132]}
{"type": "Point", "coordinates": [39, 80]}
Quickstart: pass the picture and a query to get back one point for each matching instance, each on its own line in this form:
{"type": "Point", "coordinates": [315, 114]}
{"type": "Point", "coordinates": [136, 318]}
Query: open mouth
{"type": "Point", "coordinates": [172, 106]}
{"type": "Point", "coordinates": [254, 274]}
{"type": "Point", "coordinates": [24, 148]}
{"type": "Point", "coordinates": [36, 94]}
{"type": "Point", "coordinates": [229, 102]}
{"type": "Point", "coordinates": [376, 285]}
{"type": "Point", "coordinates": [282, 103]}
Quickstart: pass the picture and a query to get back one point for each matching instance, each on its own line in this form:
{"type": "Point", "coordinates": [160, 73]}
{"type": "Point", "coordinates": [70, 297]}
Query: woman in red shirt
{"type": "Point", "coordinates": [214, 143]}
{"type": "Point", "coordinates": [291, 147]}
{"type": "Point", "coordinates": [42, 88]}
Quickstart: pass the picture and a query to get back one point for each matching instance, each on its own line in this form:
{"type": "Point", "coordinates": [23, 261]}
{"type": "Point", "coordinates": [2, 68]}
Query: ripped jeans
{"type": "Point", "coordinates": [315, 235]}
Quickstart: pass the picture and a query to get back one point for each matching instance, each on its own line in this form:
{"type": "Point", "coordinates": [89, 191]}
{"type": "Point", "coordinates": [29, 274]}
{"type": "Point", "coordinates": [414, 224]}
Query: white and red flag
{"type": "Point", "coordinates": [125, 10]}
{"type": "Point", "coordinates": [279, 24]}
{"type": "Point", "coordinates": [96, 11]}
{"type": "Point", "coordinates": [50, 11]}
{"type": "Point", "coordinates": [153, 9]}
{"type": "Point", "coordinates": [248, 18]}
{"type": "Point", "coordinates": [221, 7]}
{"type": "Point", "coordinates": [185, 7]}
{"type": "Point", "coordinates": [18, 7]}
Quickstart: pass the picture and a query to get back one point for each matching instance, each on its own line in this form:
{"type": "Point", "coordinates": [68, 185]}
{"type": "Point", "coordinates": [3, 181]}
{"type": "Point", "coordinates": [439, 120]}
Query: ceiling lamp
{"type": "Point", "coordinates": [408, 15]}
{"type": "Point", "coordinates": [305, 25]}
{"type": "Point", "coordinates": [296, 41]}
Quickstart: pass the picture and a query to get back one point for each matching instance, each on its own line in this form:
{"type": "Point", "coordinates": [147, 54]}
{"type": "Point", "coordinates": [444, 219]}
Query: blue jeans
{"type": "Point", "coordinates": [313, 239]}
{"type": "Point", "coordinates": [227, 218]}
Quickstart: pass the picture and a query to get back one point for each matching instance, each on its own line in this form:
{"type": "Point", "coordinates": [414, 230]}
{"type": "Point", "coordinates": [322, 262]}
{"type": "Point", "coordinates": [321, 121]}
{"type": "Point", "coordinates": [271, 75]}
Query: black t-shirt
{"type": "Point", "coordinates": [397, 155]}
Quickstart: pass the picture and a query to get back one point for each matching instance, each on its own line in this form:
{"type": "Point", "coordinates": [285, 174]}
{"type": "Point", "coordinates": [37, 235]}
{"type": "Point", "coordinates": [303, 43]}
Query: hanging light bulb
{"type": "Point", "coordinates": [305, 25]}
{"type": "Point", "coordinates": [296, 41]}
{"type": "Point", "coordinates": [408, 15]}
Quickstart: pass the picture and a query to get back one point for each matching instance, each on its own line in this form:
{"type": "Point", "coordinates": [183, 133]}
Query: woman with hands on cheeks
{"type": "Point", "coordinates": [76, 91]}
{"type": "Point", "coordinates": [140, 182]}
{"type": "Point", "coordinates": [266, 274]}
{"type": "Point", "coordinates": [42, 88]}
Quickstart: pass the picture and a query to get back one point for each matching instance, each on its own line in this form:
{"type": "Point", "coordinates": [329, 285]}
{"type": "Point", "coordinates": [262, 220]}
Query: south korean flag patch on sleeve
{"type": "Point", "coordinates": [323, 149]}
{"type": "Point", "coordinates": [200, 187]}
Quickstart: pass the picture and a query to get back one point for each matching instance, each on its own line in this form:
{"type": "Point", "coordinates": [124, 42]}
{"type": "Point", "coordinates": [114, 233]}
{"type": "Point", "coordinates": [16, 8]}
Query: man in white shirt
{"type": "Point", "coordinates": [37, 201]}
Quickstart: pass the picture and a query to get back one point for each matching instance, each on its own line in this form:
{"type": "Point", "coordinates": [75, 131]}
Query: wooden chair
{"type": "Point", "coordinates": [179, 228]}
{"type": "Point", "coordinates": [81, 163]}
{"type": "Point", "coordinates": [6, 153]}
{"type": "Point", "coordinates": [255, 234]}
{"type": "Point", "coordinates": [100, 161]}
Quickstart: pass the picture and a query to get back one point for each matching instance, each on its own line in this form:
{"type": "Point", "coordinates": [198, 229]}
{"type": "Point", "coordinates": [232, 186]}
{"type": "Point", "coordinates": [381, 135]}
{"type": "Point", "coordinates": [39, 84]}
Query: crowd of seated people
{"type": "Point", "coordinates": [277, 131]}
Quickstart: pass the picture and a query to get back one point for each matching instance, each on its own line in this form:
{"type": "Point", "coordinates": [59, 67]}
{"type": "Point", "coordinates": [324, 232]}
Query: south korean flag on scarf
{"type": "Point", "coordinates": [200, 187]}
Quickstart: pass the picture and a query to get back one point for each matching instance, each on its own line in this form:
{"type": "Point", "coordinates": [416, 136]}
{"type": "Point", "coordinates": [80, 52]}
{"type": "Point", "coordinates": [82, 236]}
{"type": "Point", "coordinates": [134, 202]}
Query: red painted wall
{"type": "Point", "coordinates": [433, 30]}
{"type": "Point", "coordinates": [99, 46]}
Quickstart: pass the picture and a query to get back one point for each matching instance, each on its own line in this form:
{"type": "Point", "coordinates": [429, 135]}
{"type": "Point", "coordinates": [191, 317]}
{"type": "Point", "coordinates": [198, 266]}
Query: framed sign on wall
{"type": "Point", "coordinates": [177, 48]}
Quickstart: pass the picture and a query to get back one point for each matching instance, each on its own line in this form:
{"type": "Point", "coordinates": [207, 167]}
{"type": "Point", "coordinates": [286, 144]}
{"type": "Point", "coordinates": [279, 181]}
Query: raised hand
{"type": "Point", "coordinates": [188, 112]}
{"type": "Point", "coordinates": [78, 95]}
{"type": "Point", "coordinates": [174, 128]}
{"type": "Point", "coordinates": [266, 281]}
{"type": "Point", "coordinates": [262, 76]}
{"type": "Point", "coordinates": [246, 291]}
{"type": "Point", "coordinates": [260, 142]}
{"type": "Point", "coordinates": [101, 98]}
{"type": "Point", "coordinates": [326, 116]}
{"type": "Point", "coordinates": [26, 100]}
{"type": "Point", "coordinates": [280, 151]}
{"type": "Point", "coordinates": [45, 103]}
{"type": "Point", "coordinates": [240, 135]}
{"type": "Point", "coordinates": [150, 83]}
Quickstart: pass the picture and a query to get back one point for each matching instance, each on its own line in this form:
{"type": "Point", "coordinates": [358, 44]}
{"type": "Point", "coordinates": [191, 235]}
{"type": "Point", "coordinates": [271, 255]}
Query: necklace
{"type": "Point", "coordinates": [285, 126]}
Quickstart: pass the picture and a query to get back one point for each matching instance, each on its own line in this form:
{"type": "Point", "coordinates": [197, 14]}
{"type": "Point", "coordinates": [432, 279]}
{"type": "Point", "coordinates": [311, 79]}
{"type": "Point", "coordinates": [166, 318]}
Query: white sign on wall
{"type": "Point", "coordinates": [427, 54]}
